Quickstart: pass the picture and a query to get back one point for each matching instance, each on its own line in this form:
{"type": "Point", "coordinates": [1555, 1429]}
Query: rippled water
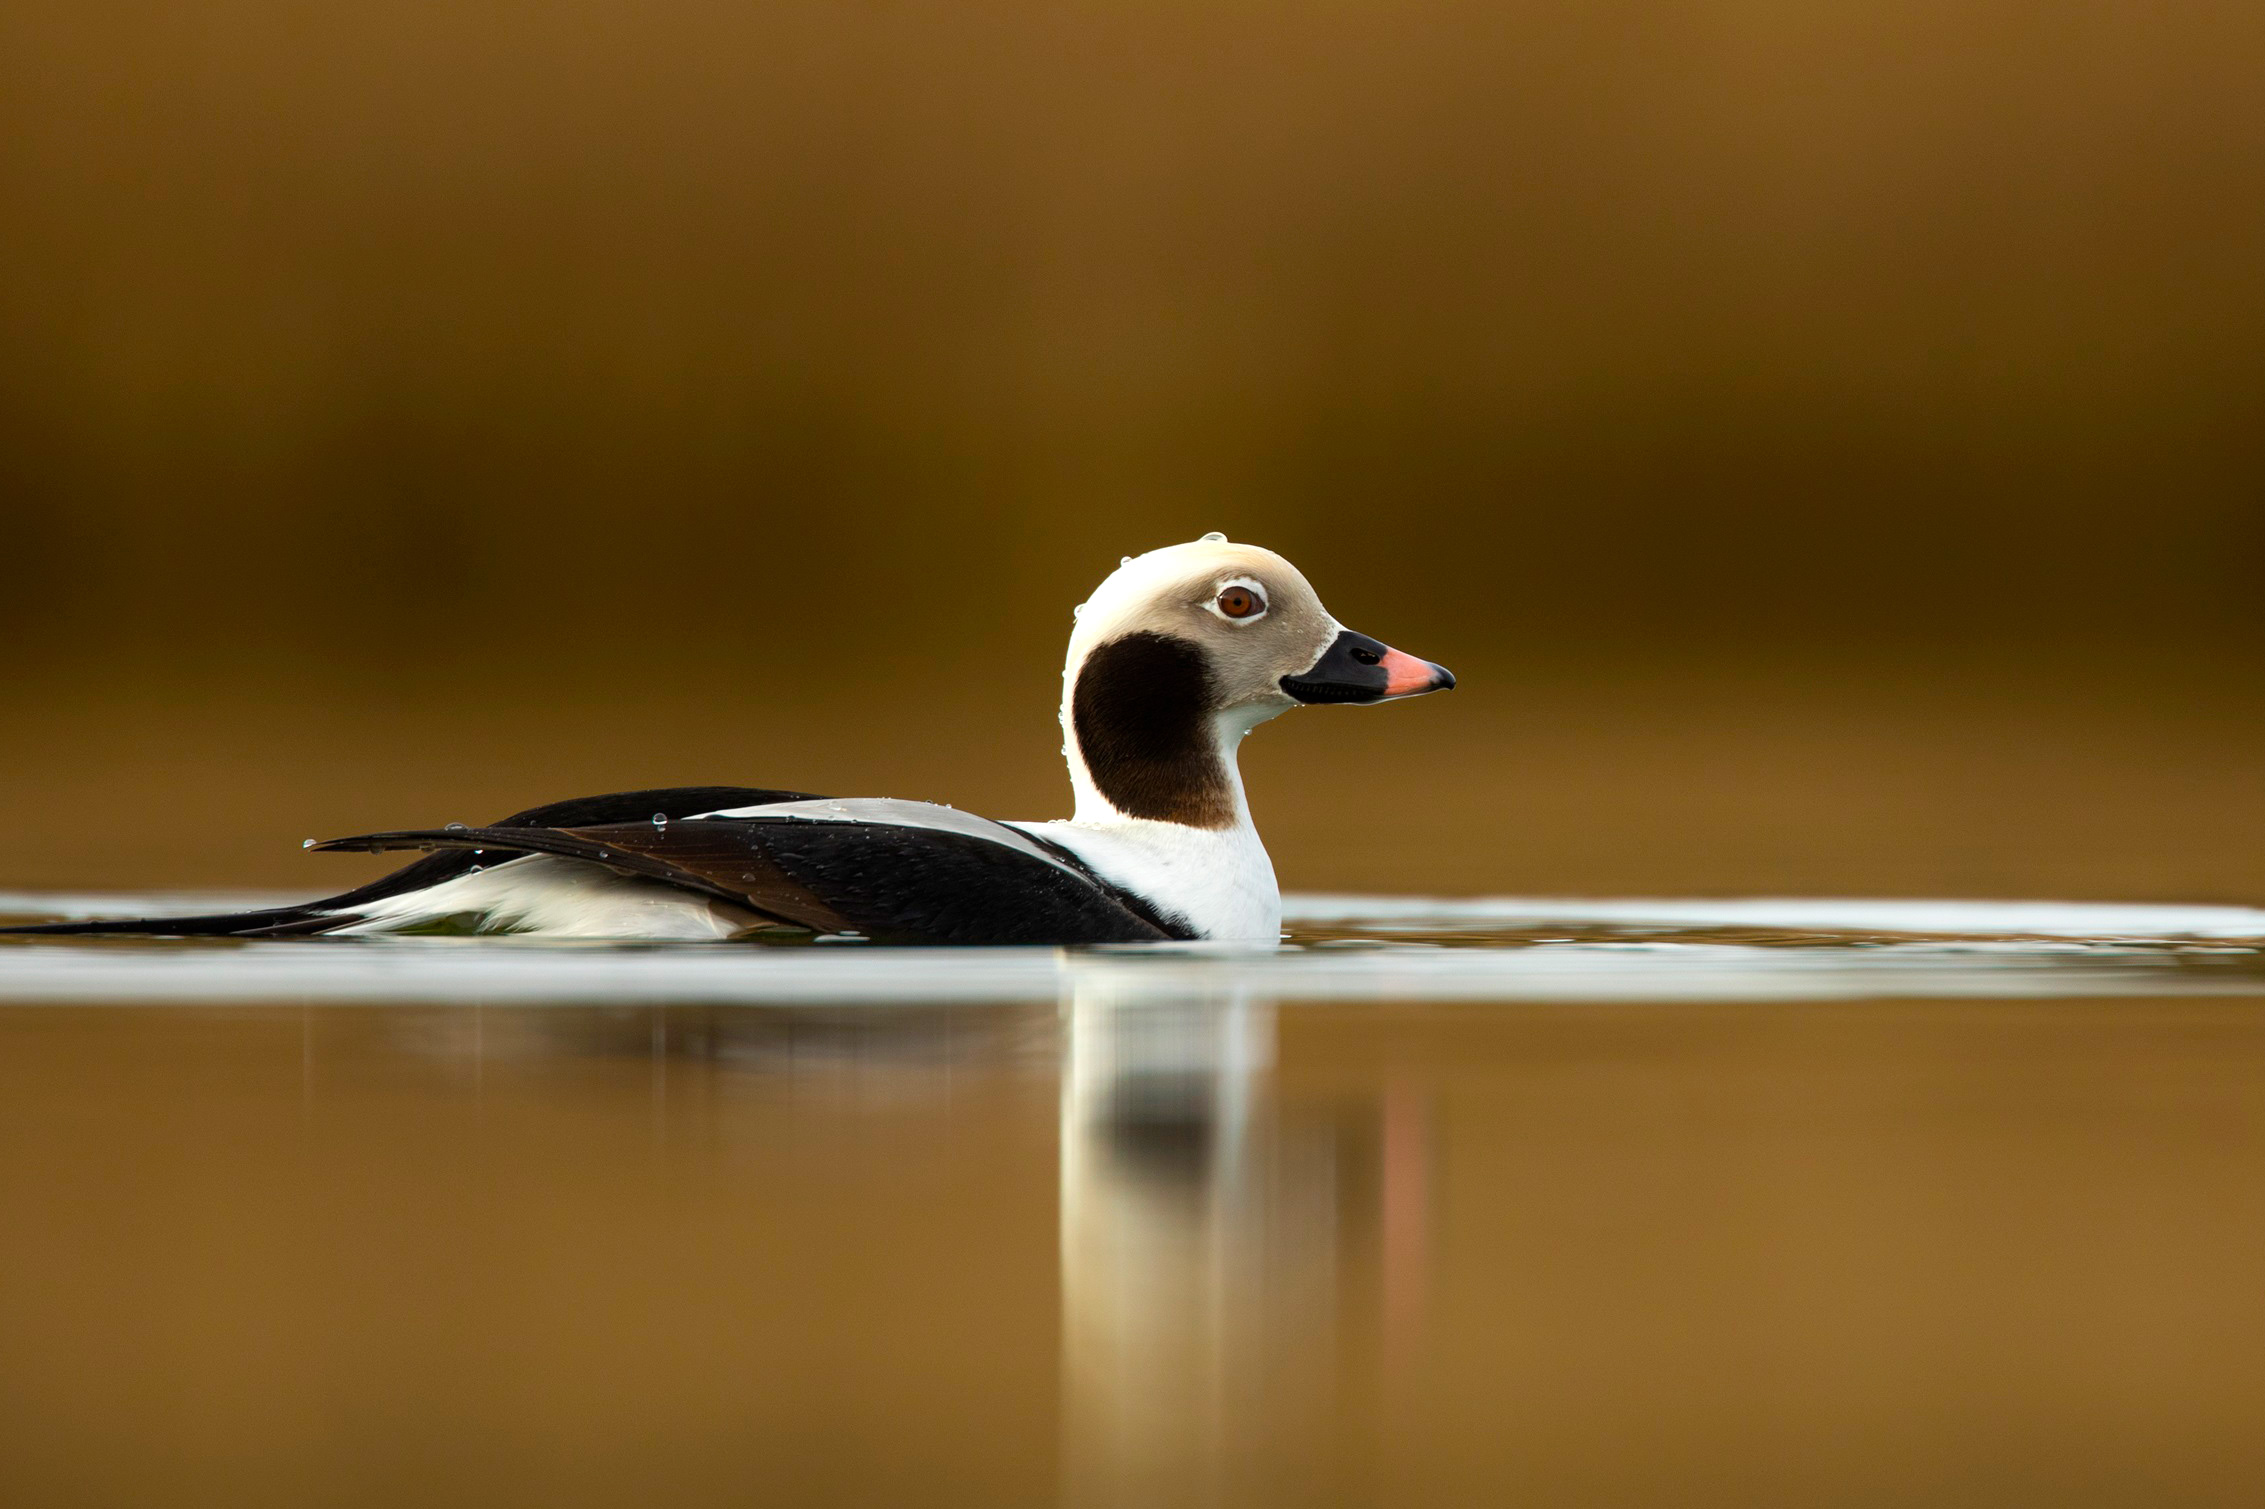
{"type": "Point", "coordinates": [1445, 1203]}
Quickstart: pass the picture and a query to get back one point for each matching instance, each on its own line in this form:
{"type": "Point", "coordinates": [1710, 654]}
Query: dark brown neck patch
{"type": "Point", "coordinates": [1142, 713]}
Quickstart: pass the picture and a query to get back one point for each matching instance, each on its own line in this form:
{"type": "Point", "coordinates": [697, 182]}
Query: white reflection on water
{"type": "Point", "coordinates": [1189, 1235]}
{"type": "Point", "coordinates": [1208, 1233]}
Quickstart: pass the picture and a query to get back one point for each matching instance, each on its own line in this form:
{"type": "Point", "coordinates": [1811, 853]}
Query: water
{"type": "Point", "coordinates": [1636, 1202]}
{"type": "Point", "coordinates": [1357, 948]}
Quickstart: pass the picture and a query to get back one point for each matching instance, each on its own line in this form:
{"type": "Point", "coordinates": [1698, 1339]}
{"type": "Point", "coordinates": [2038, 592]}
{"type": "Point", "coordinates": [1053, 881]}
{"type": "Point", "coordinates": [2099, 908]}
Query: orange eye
{"type": "Point", "coordinates": [1241, 602]}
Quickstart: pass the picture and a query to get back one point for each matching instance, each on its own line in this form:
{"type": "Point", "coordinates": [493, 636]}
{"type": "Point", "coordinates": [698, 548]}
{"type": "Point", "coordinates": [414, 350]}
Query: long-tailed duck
{"type": "Point", "coordinates": [1176, 657]}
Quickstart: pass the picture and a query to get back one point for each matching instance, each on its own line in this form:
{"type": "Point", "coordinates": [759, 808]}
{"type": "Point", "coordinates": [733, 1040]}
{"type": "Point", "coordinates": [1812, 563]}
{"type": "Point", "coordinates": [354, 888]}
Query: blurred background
{"type": "Point", "coordinates": [1829, 442]}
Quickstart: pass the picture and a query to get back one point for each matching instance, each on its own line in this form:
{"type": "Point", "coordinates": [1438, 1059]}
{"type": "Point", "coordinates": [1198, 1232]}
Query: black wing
{"type": "Point", "coordinates": [671, 802]}
{"type": "Point", "coordinates": [900, 882]}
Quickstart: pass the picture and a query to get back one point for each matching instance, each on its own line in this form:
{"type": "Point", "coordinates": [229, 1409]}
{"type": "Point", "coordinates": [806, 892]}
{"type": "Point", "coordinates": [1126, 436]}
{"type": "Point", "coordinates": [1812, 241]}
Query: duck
{"type": "Point", "coordinates": [1173, 660]}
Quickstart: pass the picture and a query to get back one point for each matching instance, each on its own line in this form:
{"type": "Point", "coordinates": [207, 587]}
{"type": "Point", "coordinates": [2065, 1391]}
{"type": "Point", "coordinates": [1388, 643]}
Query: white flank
{"type": "Point", "coordinates": [557, 898]}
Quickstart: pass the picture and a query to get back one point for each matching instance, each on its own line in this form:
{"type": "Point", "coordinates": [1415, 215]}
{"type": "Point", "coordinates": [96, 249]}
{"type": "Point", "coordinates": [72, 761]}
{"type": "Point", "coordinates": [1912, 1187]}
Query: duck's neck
{"type": "Point", "coordinates": [1216, 880]}
{"type": "Point", "coordinates": [1201, 790]}
{"type": "Point", "coordinates": [1144, 741]}
{"type": "Point", "coordinates": [1160, 806]}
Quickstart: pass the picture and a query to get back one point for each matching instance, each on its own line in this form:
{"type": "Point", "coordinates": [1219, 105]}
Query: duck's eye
{"type": "Point", "coordinates": [1238, 601]}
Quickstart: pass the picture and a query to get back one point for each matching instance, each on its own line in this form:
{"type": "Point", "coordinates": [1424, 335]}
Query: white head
{"type": "Point", "coordinates": [1184, 650]}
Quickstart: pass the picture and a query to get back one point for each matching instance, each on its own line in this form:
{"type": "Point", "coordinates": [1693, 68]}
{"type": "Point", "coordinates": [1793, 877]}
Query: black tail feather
{"type": "Point", "coordinates": [448, 856]}
{"type": "Point", "coordinates": [270, 922]}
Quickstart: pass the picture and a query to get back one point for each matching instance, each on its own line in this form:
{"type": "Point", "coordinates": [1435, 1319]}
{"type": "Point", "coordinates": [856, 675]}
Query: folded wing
{"type": "Point", "coordinates": [890, 870]}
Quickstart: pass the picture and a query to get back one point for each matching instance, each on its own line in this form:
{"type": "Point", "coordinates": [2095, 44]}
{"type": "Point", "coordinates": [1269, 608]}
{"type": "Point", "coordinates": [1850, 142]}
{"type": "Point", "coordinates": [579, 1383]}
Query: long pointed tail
{"type": "Point", "coordinates": [271, 922]}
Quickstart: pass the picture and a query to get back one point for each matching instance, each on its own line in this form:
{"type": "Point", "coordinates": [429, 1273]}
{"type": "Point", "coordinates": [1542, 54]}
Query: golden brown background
{"type": "Point", "coordinates": [1828, 440]}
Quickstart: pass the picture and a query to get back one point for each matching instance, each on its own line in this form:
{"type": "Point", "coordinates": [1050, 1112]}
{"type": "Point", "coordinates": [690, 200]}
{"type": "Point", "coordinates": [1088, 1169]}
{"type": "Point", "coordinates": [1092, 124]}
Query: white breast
{"type": "Point", "coordinates": [1216, 880]}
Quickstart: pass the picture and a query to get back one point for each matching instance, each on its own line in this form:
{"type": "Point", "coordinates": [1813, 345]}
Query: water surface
{"type": "Point", "coordinates": [1643, 1202]}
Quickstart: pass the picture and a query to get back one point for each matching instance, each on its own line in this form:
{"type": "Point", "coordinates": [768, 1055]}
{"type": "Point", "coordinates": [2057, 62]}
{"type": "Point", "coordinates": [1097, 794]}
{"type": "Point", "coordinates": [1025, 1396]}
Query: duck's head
{"type": "Point", "coordinates": [1184, 650]}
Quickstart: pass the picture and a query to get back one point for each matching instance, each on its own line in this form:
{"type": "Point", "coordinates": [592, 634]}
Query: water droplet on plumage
{"type": "Point", "coordinates": [1124, 560]}
{"type": "Point", "coordinates": [457, 828]}
{"type": "Point", "coordinates": [660, 819]}
{"type": "Point", "coordinates": [306, 843]}
{"type": "Point", "coordinates": [1214, 538]}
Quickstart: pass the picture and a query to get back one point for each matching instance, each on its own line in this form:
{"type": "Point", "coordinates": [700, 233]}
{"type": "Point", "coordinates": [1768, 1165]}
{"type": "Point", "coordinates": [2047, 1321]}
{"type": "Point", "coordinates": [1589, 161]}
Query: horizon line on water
{"type": "Point", "coordinates": [1851, 914]}
{"type": "Point", "coordinates": [1921, 915]}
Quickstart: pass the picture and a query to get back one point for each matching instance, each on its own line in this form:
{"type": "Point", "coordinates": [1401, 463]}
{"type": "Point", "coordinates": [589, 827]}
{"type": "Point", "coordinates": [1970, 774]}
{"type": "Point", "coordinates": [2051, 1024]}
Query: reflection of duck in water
{"type": "Point", "coordinates": [1177, 656]}
{"type": "Point", "coordinates": [1239, 1246]}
